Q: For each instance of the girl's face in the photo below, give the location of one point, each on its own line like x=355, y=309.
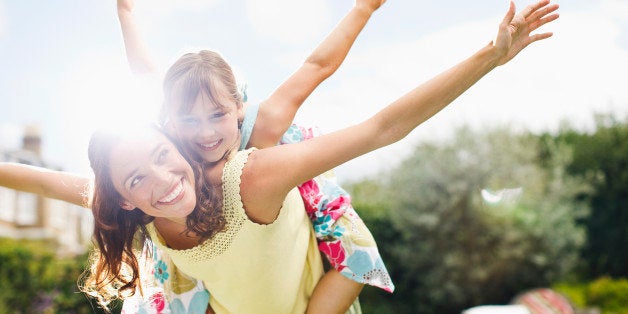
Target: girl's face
x=210, y=131
x=149, y=173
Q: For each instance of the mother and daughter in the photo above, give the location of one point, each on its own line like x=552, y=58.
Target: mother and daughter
x=235, y=219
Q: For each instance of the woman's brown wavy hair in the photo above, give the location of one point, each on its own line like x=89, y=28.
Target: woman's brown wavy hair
x=114, y=269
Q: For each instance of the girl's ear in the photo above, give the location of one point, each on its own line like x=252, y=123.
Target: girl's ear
x=126, y=205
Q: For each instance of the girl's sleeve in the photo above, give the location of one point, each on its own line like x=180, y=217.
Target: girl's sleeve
x=342, y=236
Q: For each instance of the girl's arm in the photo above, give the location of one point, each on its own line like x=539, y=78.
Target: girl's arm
x=137, y=54
x=59, y=185
x=394, y=122
x=277, y=112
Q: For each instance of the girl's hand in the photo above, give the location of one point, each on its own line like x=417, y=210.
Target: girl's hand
x=369, y=5
x=514, y=30
x=126, y=5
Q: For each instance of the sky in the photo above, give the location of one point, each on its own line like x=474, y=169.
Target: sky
x=63, y=69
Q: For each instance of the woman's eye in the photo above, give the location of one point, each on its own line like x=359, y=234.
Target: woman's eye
x=189, y=121
x=162, y=155
x=135, y=181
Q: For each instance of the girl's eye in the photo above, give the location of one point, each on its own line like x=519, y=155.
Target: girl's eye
x=218, y=115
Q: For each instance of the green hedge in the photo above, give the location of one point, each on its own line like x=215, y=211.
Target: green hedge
x=609, y=295
x=34, y=280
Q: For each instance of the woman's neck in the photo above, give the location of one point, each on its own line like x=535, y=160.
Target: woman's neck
x=172, y=231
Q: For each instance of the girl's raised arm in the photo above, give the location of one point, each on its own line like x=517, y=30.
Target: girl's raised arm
x=59, y=185
x=137, y=54
x=277, y=112
x=394, y=122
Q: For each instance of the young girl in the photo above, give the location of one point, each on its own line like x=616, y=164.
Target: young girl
x=239, y=263
x=205, y=135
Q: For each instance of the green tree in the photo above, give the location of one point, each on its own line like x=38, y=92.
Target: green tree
x=34, y=280
x=601, y=158
x=450, y=248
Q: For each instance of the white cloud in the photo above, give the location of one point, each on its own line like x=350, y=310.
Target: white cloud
x=3, y=22
x=160, y=8
x=617, y=9
x=289, y=21
x=581, y=70
x=10, y=136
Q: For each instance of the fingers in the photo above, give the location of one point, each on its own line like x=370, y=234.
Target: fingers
x=536, y=37
x=533, y=26
x=510, y=14
x=543, y=12
x=533, y=7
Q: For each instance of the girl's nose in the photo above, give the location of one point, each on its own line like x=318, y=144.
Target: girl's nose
x=206, y=130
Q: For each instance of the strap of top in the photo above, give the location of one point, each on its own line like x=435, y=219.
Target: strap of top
x=250, y=116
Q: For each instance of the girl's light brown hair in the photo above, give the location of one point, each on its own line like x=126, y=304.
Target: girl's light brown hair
x=195, y=73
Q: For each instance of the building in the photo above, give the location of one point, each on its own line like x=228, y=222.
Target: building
x=29, y=216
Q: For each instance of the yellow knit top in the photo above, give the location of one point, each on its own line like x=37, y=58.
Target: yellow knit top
x=249, y=267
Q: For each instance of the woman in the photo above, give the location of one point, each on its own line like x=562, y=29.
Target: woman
x=238, y=257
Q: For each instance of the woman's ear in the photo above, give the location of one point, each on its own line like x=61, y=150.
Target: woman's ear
x=126, y=205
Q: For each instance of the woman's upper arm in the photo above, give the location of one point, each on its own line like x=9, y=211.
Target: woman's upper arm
x=271, y=173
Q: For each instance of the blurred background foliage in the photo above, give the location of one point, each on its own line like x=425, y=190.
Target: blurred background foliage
x=491, y=213
x=35, y=280
x=473, y=220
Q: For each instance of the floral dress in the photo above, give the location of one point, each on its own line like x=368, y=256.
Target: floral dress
x=343, y=238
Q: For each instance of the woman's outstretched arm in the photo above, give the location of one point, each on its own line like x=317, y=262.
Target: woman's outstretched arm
x=59, y=185
x=394, y=122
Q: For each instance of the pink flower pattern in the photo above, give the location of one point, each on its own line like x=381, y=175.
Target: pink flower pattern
x=311, y=197
x=335, y=253
x=158, y=302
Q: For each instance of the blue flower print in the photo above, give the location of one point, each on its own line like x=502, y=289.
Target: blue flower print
x=321, y=225
x=197, y=305
x=292, y=135
x=338, y=232
x=161, y=271
x=360, y=263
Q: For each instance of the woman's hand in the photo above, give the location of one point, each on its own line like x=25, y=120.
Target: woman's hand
x=126, y=6
x=369, y=5
x=514, y=30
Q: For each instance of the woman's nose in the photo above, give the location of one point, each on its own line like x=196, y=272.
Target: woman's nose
x=161, y=174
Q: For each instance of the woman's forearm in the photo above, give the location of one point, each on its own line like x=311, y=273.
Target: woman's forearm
x=59, y=185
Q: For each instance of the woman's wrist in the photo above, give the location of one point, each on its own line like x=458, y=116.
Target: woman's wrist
x=491, y=55
x=364, y=9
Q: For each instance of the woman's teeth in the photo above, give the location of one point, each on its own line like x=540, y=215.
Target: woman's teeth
x=175, y=192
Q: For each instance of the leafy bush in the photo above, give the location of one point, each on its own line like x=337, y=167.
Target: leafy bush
x=607, y=294
x=449, y=248
x=34, y=280
x=610, y=295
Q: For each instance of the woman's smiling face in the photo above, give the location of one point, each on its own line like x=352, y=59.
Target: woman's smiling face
x=149, y=173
